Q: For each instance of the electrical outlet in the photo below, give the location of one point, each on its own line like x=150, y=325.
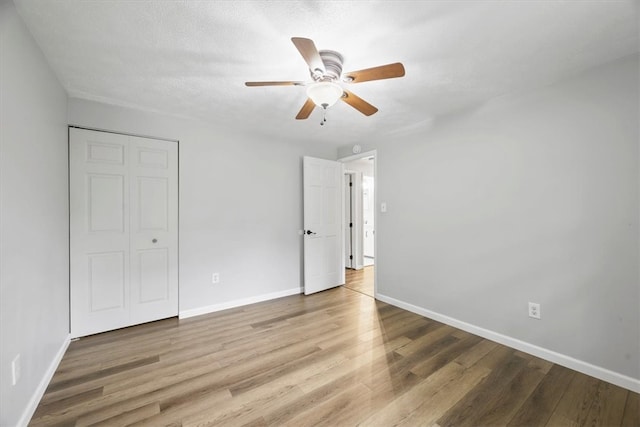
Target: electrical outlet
x=215, y=278
x=534, y=310
x=15, y=370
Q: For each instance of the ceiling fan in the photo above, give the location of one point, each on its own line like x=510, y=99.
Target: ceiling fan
x=325, y=67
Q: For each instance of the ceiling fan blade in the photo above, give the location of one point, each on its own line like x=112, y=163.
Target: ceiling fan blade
x=306, y=110
x=274, y=83
x=308, y=50
x=388, y=71
x=358, y=103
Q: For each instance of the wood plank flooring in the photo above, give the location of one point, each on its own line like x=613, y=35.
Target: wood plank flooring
x=360, y=280
x=337, y=358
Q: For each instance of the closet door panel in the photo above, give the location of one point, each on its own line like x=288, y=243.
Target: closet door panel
x=99, y=231
x=154, y=229
x=124, y=230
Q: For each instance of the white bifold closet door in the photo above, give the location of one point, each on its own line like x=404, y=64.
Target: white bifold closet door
x=123, y=230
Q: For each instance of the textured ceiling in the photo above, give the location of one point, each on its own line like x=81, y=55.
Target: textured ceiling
x=191, y=58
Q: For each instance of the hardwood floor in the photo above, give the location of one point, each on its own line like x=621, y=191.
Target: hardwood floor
x=360, y=280
x=337, y=358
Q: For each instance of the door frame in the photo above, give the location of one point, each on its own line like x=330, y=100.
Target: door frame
x=370, y=215
x=346, y=159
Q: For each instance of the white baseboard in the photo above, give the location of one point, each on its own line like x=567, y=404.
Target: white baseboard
x=237, y=303
x=44, y=383
x=620, y=380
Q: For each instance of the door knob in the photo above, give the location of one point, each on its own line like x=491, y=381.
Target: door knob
x=155, y=240
x=309, y=232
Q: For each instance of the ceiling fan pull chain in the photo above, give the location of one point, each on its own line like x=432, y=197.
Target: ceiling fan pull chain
x=324, y=116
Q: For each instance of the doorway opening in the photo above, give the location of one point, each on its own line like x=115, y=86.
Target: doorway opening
x=359, y=221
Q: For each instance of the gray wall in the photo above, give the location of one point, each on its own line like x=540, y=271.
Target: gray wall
x=240, y=203
x=34, y=310
x=529, y=197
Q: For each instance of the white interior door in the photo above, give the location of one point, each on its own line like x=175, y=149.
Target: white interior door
x=323, y=259
x=123, y=190
x=348, y=221
x=354, y=201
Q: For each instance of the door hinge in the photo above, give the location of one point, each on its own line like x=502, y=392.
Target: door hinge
x=350, y=256
x=351, y=184
x=350, y=225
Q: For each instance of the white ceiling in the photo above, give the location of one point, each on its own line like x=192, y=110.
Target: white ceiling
x=191, y=58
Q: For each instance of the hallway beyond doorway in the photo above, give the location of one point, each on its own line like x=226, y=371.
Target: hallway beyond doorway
x=360, y=280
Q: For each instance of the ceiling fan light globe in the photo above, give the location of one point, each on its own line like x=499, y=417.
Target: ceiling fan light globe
x=324, y=94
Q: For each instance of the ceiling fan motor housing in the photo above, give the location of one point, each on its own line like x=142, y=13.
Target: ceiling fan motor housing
x=333, y=65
